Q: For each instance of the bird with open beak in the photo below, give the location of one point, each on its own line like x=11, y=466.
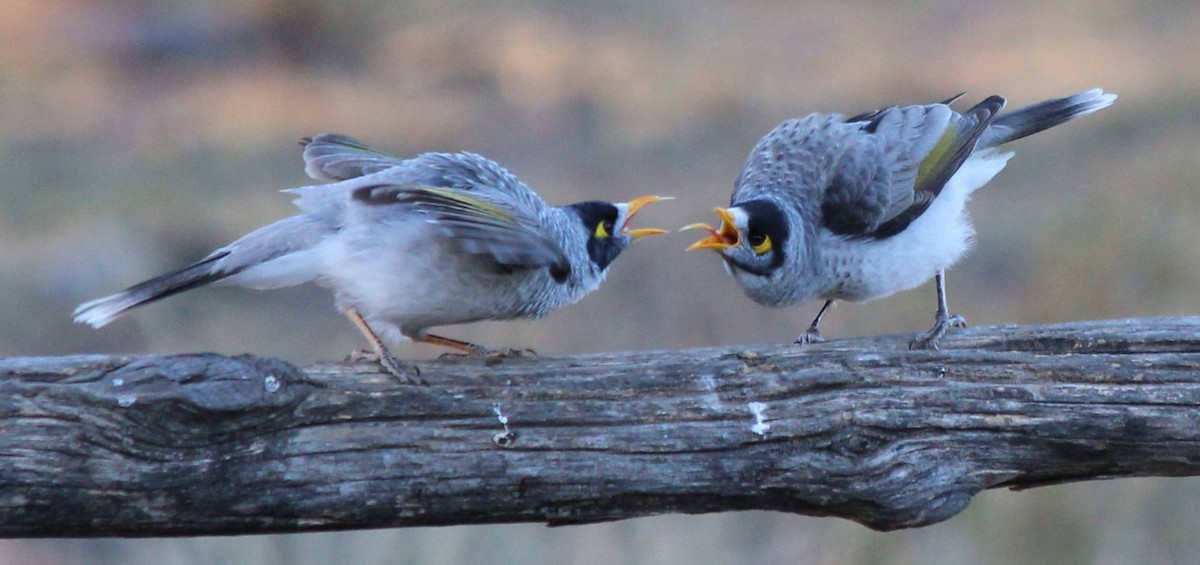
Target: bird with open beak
x=410, y=244
x=835, y=208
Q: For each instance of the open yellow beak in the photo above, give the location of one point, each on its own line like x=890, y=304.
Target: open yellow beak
x=635, y=205
x=718, y=239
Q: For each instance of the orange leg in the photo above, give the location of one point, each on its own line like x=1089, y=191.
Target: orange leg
x=473, y=350
x=384, y=357
x=466, y=347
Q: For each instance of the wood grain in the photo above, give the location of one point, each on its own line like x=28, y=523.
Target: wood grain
x=863, y=429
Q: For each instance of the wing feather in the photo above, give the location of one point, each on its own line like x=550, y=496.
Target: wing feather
x=331, y=156
x=477, y=224
x=899, y=164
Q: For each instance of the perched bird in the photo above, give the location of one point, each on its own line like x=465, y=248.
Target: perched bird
x=407, y=245
x=858, y=208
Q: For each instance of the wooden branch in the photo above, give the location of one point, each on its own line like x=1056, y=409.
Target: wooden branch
x=863, y=429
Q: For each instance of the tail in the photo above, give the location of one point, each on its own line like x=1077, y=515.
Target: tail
x=1043, y=115
x=102, y=311
x=285, y=253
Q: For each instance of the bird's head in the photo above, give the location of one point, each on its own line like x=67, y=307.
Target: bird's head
x=753, y=240
x=606, y=225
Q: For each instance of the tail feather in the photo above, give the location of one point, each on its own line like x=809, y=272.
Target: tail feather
x=1029, y=120
x=100, y=312
x=285, y=253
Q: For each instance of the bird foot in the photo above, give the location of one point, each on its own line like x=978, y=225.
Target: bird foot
x=813, y=335
x=940, y=326
x=408, y=374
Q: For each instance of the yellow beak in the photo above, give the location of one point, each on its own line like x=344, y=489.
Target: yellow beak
x=635, y=205
x=718, y=239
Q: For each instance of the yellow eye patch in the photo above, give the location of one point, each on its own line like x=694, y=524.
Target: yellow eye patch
x=602, y=230
x=762, y=247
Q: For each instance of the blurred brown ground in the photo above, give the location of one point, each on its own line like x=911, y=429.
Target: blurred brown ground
x=136, y=135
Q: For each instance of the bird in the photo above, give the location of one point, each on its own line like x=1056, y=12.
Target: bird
x=406, y=245
x=857, y=208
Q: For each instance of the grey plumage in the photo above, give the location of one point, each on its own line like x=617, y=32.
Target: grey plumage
x=282, y=244
x=439, y=239
x=1032, y=119
x=859, y=208
x=507, y=236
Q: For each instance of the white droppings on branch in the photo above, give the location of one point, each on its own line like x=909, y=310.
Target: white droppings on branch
x=500, y=417
x=506, y=437
x=760, y=426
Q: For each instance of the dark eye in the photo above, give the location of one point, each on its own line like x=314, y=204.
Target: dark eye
x=759, y=242
x=603, y=229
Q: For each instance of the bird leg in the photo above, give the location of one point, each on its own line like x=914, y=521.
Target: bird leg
x=943, y=322
x=468, y=349
x=380, y=353
x=813, y=334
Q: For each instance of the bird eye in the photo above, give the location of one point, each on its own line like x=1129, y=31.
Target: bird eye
x=760, y=243
x=603, y=229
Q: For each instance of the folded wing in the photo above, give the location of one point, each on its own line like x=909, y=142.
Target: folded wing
x=331, y=156
x=898, y=164
x=477, y=224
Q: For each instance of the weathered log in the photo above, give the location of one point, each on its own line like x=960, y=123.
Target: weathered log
x=864, y=429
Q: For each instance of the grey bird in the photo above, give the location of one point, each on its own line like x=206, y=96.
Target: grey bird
x=859, y=208
x=407, y=245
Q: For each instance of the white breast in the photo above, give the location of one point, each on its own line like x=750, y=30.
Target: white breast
x=408, y=276
x=860, y=270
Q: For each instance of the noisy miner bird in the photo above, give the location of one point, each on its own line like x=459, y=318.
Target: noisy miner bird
x=858, y=208
x=407, y=245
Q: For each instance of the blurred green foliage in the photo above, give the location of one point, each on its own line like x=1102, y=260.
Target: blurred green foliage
x=136, y=135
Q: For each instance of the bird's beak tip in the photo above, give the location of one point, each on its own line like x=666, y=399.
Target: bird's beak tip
x=699, y=226
x=641, y=201
x=725, y=237
x=644, y=232
x=634, y=206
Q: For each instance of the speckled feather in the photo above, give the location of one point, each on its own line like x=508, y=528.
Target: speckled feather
x=876, y=203
x=439, y=239
x=864, y=174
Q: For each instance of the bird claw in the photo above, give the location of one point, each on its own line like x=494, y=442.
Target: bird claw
x=813, y=335
x=408, y=374
x=940, y=326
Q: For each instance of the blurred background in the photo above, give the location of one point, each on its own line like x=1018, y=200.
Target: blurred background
x=137, y=135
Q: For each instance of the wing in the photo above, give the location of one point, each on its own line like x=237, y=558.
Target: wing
x=897, y=163
x=868, y=116
x=330, y=156
x=473, y=174
x=478, y=223
x=484, y=208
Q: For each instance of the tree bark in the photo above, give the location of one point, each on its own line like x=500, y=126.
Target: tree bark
x=863, y=429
